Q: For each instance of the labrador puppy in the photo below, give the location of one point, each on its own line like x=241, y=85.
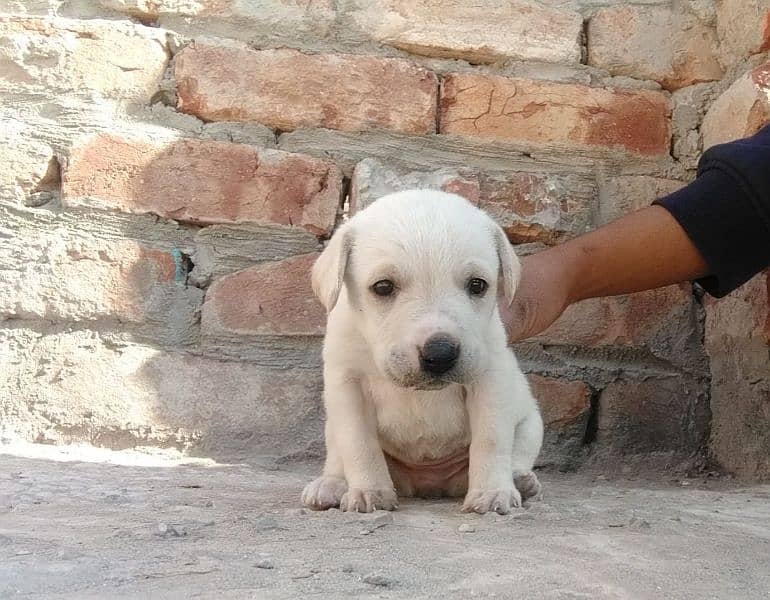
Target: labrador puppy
x=423, y=396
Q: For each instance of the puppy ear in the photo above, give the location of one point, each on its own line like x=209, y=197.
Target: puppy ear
x=328, y=271
x=510, y=267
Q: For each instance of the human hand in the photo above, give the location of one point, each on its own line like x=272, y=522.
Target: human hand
x=644, y=250
x=541, y=297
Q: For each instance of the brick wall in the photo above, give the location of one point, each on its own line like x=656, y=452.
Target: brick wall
x=169, y=170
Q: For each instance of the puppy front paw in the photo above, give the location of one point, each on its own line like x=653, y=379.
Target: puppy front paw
x=324, y=493
x=499, y=501
x=528, y=485
x=365, y=501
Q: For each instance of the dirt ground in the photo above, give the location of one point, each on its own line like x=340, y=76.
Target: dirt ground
x=82, y=523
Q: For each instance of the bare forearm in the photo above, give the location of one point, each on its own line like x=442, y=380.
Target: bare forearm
x=641, y=251
x=725, y=211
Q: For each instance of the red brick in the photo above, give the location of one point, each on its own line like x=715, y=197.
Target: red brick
x=620, y=320
x=562, y=402
x=743, y=27
x=740, y=111
x=203, y=182
x=270, y=299
x=538, y=207
x=531, y=207
x=565, y=406
x=443, y=29
x=286, y=89
x=567, y=115
x=653, y=42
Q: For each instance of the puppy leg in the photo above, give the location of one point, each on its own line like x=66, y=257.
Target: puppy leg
x=528, y=438
x=490, y=486
x=354, y=425
x=327, y=490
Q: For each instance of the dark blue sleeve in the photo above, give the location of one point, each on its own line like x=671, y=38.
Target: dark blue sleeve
x=726, y=211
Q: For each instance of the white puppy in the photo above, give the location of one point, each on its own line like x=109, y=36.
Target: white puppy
x=423, y=397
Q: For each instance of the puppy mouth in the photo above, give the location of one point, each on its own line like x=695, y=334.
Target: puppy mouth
x=431, y=384
x=421, y=382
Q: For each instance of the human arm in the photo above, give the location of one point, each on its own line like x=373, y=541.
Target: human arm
x=715, y=230
x=644, y=250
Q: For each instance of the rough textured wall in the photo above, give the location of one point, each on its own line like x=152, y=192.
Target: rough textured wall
x=169, y=169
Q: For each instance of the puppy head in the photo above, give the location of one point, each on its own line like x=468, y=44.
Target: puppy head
x=421, y=271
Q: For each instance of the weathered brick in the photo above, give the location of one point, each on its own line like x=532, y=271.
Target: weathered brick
x=473, y=31
x=627, y=193
x=259, y=22
x=203, y=181
x=59, y=276
x=653, y=42
x=268, y=299
x=113, y=59
x=542, y=113
x=565, y=407
x=740, y=111
x=529, y=206
x=743, y=27
x=220, y=8
x=338, y=91
x=738, y=344
x=77, y=387
x=639, y=415
x=26, y=164
x=152, y=8
x=690, y=105
x=662, y=321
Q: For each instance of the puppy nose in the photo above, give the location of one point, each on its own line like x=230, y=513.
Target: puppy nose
x=439, y=354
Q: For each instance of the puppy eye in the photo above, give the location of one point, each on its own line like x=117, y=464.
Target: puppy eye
x=477, y=287
x=384, y=287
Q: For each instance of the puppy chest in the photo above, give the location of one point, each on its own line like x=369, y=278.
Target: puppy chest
x=422, y=426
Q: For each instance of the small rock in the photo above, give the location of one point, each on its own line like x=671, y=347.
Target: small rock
x=208, y=504
x=347, y=569
x=466, y=528
x=296, y=512
x=378, y=580
x=166, y=530
x=265, y=563
x=637, y=523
